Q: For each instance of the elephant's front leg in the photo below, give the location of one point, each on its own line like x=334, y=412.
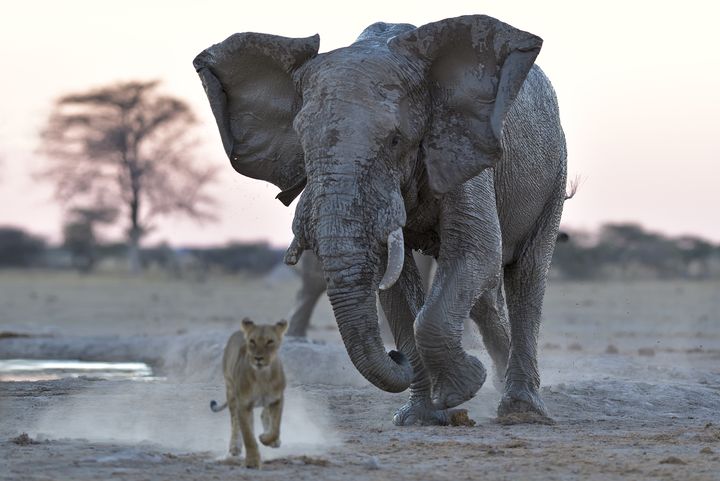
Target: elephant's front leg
x=468, y=266
x=401, y=304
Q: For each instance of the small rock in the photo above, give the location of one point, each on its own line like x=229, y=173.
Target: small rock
x=706, y=450
x=575, y=346
x=646, y=351
x=672, y=460
x=372, y=463
x=312, y=461
x=611, y=349
x=10, y=335
x=556, y=388
x=516, y=443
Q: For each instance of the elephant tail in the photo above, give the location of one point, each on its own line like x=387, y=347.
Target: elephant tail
x=215, y=408
x=574, y=184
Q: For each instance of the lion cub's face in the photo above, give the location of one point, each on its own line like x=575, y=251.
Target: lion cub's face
x=262, y=341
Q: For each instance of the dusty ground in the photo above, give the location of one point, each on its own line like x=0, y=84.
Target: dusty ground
x=631, y=375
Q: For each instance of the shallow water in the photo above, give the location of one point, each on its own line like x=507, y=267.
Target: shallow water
x=49, y=369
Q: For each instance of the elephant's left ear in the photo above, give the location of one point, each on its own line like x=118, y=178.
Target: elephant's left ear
x=476, y=66
x=248, y=79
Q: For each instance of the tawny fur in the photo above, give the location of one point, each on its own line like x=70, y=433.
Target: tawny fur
x=254, y=377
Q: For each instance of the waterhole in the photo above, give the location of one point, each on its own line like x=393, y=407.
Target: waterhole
x=50, y=369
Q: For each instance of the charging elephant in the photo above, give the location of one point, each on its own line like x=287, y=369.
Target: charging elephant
x=444, y=138
x=313, y=286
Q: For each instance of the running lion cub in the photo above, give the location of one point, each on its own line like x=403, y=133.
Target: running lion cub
x=254, y=377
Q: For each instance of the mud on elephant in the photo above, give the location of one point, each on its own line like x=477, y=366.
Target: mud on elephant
x=444, y=138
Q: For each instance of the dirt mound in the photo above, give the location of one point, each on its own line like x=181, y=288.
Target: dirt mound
x=525, y=418
x=460, y=418
x=24, y=440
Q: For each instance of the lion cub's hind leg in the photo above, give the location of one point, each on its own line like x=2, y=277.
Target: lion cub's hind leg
x=271, y=416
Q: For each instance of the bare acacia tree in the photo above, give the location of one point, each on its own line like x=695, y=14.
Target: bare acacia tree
x=130, y=145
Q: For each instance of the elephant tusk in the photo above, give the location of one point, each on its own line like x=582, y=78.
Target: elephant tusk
x=395, y=258
x=293, y=253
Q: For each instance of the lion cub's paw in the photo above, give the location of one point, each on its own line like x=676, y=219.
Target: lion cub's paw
x=252, y=461
x=270, y=440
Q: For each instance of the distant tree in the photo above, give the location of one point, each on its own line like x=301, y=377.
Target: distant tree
x=131, y=145
x=254, y=258
x=79, y=236
x=19, y=249
x=630, y=251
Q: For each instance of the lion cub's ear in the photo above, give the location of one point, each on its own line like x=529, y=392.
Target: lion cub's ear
x=281, y=326
x=247, y=325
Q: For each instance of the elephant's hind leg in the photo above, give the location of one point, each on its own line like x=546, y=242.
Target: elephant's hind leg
x=525, y=281
x=490, y=315
x=313, y=286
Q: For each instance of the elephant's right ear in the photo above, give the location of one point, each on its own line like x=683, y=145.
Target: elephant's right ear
x=248, y=81
x=475, y=67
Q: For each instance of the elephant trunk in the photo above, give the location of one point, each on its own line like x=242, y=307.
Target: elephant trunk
x=351, y=262
x=356, y=314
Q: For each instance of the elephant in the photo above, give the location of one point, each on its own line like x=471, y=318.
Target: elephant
x=444, y=138
x=313, y=286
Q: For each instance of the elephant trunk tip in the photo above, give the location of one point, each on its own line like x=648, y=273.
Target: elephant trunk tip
x=407, y=372
x=399, y=358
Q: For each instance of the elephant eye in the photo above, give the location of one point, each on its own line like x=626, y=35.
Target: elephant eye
x=395, y=140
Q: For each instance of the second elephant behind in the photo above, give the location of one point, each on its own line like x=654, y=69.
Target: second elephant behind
x=313, y=286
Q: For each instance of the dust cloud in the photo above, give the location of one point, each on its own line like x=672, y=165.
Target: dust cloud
x=178, y=419
x=174, y=413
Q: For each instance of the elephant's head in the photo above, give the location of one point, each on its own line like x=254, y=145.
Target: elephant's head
x=353, y=130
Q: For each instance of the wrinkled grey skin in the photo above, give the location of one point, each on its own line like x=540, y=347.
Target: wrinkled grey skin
x=313, y=286
x=447, y=132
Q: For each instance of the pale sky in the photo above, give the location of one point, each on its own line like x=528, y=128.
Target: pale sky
x=637, y=81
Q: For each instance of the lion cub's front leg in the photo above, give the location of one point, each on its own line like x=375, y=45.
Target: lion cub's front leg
x=271, y=416
x=235, y=446
x=252, y=454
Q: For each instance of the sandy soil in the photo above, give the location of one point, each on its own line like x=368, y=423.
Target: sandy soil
x=631, y=376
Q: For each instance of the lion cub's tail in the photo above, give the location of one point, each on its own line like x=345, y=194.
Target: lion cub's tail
x=215, y=408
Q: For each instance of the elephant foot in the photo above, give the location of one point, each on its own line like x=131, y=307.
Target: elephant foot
x=522, y=404
x=423, y=413
x=452, y=387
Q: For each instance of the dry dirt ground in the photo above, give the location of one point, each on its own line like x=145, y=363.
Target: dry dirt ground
x=631, y=376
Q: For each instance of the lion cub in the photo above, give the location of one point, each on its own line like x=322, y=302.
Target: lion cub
x=254, y=377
